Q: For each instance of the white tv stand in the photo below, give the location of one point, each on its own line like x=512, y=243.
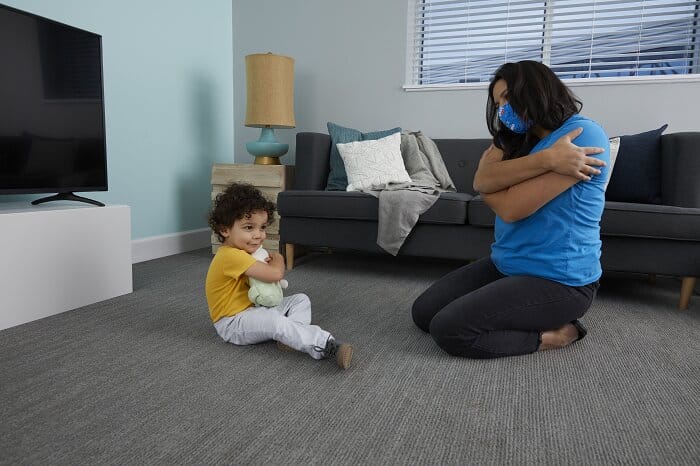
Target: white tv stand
x=60, y=256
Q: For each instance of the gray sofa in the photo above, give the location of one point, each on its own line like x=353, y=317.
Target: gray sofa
x=652, y=239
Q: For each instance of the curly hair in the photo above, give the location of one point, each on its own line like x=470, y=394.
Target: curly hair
x=536, y=94
x=237, y=201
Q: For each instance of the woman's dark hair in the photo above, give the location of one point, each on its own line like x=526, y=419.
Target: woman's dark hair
x=237, y=201
x=537, y=95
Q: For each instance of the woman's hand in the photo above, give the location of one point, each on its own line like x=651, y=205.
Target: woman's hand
x=491, y=154
x=566, y=158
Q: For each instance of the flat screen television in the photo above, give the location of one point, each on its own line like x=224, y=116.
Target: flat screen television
x=52, y=133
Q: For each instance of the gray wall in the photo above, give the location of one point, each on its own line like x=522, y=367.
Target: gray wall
x=350, y=66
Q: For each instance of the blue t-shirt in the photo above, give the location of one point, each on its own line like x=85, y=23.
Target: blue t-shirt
x=561, y=241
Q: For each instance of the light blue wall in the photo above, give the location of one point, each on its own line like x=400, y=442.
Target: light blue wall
x=168, y=83
x=350, y=68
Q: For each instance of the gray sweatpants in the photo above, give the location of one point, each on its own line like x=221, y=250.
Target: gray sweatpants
x=288, y=323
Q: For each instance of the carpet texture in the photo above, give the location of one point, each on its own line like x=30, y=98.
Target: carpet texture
x=144, y=379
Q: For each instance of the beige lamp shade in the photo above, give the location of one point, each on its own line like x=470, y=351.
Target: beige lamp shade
x=270, y=91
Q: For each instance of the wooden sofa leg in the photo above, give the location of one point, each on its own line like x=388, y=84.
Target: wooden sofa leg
x=289, y=255
x=686, y=291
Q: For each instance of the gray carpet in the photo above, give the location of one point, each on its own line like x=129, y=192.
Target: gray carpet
x=144, y=379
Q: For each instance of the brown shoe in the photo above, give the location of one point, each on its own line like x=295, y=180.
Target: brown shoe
x=342, y=352
x=343, y=355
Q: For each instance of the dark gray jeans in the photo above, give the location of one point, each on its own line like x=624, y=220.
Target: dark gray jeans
x=477, y=312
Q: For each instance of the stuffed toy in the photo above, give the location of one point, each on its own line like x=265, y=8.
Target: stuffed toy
x=264, y=293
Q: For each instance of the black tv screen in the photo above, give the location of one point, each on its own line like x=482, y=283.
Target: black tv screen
x=52, y=135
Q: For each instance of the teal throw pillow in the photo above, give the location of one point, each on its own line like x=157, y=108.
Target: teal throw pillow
x=338, y=178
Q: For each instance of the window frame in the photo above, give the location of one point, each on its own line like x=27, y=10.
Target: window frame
x=571, y=82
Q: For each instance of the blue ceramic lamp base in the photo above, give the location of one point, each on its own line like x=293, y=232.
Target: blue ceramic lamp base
x=266, y=149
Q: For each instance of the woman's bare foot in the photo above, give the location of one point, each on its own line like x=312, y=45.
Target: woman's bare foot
x=559, y=338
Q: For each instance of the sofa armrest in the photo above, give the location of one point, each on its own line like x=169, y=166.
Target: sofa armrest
x=680, y=169
x=312, y=161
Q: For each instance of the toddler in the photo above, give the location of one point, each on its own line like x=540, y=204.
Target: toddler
x=239, y=218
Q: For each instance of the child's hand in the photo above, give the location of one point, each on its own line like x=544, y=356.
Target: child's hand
x=276, y=260
x=276, y=257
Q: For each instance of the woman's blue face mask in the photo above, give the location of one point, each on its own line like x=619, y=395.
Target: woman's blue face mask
x=511, y=119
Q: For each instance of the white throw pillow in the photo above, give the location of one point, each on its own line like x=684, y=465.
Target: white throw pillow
x=373, y=164
x=614, y=148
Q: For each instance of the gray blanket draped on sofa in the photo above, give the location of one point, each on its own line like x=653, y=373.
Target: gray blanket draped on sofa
x=400, y=204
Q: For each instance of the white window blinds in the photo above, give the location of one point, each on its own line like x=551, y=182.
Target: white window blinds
x=465, y=41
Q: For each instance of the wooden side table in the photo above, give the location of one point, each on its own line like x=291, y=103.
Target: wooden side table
x=270, y=179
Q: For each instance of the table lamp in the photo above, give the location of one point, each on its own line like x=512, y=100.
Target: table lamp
x=270, y=103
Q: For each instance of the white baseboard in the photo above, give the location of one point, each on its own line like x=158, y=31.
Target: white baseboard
x=154, y=247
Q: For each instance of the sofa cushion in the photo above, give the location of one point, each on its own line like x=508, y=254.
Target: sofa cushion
x=337, y=178
x=480, y=214
x=650, y=221
x=637, y=173
x=461, y=157
x=680, y=166
x=623, y=219
x=450, y=208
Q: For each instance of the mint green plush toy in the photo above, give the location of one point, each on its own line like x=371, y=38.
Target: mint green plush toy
x=264, y=293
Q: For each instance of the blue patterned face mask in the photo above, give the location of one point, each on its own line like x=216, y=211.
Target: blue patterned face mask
x=511, y=119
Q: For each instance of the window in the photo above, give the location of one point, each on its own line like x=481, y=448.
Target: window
x=465, y=41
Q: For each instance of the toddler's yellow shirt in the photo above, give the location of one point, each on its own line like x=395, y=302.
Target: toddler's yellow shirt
x=227, y=285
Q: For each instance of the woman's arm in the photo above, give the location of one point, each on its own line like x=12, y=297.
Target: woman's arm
x=272, y=271
x=494, y=174
x=564, y=157
x=524, y=199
